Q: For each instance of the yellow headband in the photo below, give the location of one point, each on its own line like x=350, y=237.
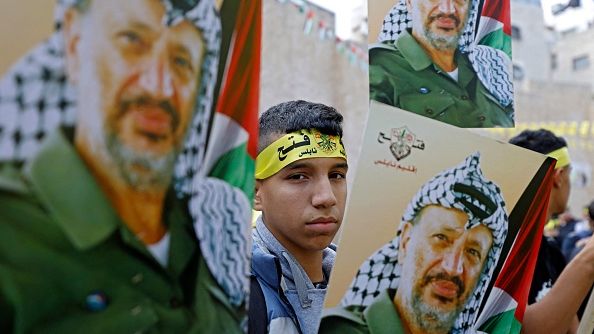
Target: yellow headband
x=562, y=156
x=295, y=146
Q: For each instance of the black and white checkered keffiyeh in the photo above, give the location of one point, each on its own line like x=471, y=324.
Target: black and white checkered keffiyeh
x=36, y=98
x=464, y=188
x=492, y=66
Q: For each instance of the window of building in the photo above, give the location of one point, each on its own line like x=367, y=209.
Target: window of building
x=553, y=61
x=518, y=73
x=569, y=31
x=581, y=63
x=516, y=33
x=558, y=8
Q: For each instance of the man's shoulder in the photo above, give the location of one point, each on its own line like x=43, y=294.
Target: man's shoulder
x=404, y=50
x=381, y=52
x=17, y=201
x=12, y=180
x=339, y=319
x=387, y=60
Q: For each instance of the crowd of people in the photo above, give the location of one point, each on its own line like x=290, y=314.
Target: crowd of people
x=570, y=232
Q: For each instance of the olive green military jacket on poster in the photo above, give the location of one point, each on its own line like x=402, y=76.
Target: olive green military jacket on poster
x=69, y=265
x=402, y=75
x=380, y=317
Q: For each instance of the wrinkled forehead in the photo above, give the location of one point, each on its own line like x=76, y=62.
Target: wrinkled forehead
x=435, y=216
x=142, y=12
x=200, y=13
x=436, y=219
x=450, y=218
x=148, y=18
x=150, y=10
x=437, y=6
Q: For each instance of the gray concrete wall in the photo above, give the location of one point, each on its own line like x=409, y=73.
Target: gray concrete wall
x=299, y=66
x=530, y=50
x=569, y=47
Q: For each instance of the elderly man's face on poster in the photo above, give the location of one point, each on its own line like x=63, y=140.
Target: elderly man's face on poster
x=137, y=81
x=439, y=22
x=441, y=264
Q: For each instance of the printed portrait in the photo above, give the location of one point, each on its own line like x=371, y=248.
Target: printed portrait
x=449, y=60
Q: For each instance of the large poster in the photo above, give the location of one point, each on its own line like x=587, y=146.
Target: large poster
x=127, y=148
x=441, y=223
x=448, y=60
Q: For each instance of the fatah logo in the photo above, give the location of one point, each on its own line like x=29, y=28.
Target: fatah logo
x=325, y=142
x=402, y=141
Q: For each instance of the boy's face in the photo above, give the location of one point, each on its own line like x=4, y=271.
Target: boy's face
x=303, y=204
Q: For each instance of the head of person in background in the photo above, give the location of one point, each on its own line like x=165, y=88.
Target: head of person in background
x=546, y=142
x=301, y=191
x=438, y=267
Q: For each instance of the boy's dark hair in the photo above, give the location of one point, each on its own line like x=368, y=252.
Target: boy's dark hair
x=291, y=116
x=541, y=141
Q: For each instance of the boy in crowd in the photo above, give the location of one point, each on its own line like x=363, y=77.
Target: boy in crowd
x=301, y=191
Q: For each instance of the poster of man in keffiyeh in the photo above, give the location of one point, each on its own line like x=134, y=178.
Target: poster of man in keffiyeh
x=127, y=145
x=452, y=222
x=449, y=60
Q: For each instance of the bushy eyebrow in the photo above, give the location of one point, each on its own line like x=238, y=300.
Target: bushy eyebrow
x=142, y=26
x=342, y=165
x=297, y=165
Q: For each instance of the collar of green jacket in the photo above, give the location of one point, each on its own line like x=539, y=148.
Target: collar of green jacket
x=71, y=192
x=419, y=60
x=62, y=181
x=381, y=316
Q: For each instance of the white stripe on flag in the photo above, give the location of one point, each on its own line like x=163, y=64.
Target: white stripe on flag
x=487, y=25
x=499, y=301
x=226, y=134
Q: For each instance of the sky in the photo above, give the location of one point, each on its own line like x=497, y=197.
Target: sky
x=343, y=10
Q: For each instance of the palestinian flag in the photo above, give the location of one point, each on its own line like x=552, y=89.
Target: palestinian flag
x=495, y=25
x=504, y=310
x=232, y=144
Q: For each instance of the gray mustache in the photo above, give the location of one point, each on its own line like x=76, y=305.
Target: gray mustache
x=147, y=101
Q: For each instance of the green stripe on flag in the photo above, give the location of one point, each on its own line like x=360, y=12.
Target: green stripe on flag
x=502, y=323
x=237, y=168
x=499, y=40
